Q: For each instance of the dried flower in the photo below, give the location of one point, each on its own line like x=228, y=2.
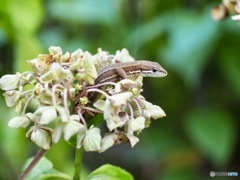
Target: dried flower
x=62, y=88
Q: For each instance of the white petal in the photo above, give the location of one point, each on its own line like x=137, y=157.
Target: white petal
x=19, y=121
x=92, y=140
x=236, y=17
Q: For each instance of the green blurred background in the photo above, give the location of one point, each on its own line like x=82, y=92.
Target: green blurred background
x=200, y=95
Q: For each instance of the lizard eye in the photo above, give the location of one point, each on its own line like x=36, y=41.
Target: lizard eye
x=154, y=70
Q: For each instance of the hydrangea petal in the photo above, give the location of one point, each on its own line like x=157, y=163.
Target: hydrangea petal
x=19, y=121
x=10, y=82
x=92, y=140
x=41, y=137
x=108, y=141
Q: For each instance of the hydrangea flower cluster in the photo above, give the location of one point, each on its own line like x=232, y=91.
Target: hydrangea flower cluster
x=226, y=8
x=59, y=86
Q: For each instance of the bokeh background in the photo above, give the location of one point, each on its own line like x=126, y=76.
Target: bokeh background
x=200, y=95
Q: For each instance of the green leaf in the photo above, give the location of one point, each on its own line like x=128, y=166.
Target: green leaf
x=86, y=11
x=44, y=170
x=26, y=17
x=189, y=45
x=213, y=131
x=229, y=60
x=150, y=30
x=95, y=121
x=110, y=172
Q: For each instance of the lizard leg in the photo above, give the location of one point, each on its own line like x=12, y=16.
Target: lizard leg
x=121, y=73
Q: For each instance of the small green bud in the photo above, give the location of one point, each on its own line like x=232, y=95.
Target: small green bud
x=78, y=87
x=135, y=91
x=83, y=100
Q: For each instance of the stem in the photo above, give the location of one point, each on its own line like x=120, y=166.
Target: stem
x=54, y=90
x=91, y=109
x=33, y=163
x=26, y=92
x=26, y=104
x=78, y=163
x=99, y=91
x=102, y=84
x=65, y=100
x=131, y=110
x=138, y=106
x=79, y=152
x=82, y=119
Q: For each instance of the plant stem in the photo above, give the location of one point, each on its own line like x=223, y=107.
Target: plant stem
x=35, y=160
x=78, y=163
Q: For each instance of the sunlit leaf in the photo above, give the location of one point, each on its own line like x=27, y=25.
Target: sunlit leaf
x=110, y=172
x=86, y=11
x=213, y=132
x=191, y=39
x=26, y=18
x=44, y=170
x=229, y=61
